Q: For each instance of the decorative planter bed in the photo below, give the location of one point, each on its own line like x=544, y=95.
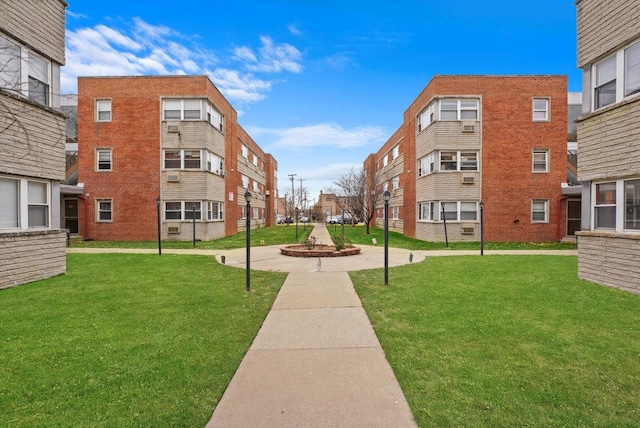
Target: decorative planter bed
x=318, y=251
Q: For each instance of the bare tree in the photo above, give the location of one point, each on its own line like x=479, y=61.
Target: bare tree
x=356, y=192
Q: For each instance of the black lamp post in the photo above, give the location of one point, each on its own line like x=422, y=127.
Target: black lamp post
x=159, y=226
x=444, y=220
x=386, y=195
x=247, y=197
x=481, y=228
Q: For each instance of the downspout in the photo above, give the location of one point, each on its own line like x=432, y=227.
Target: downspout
x=559, y=218
x=86, y=215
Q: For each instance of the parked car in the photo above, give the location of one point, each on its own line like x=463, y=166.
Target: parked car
x=304, y=219
x=280, y=219
x=332, y=219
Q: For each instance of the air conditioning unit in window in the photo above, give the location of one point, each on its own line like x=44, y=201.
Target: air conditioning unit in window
x=174, y=229
x=468, y=230
x=173, y=128
x=469, y=127
x=173, y=177
x=468, y=179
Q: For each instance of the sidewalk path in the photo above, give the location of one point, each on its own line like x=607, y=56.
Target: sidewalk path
x=316, y=361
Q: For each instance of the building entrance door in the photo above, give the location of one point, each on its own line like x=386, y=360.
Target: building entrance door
x=71, y=215
x=574, y=213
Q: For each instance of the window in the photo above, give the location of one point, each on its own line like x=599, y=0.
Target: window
x=25, y=203
x=245, y=152
x=104, y=213
x=103, y=110
x=189, y=109
x=450, y=210
x=9, y=208
x=255, y=159
x=9, y=65
x=25, y=72
x=38, y=79
x=605, y=85
x=426, y=164
x=395, y=213
x=427, y=211
x=215, y=163
x=396, y=152
x=256, y=212
x=245, y=181
x=540, y=109
x=540, y=161
x=426, y=117
x=468, y=161
x=192, y=210
x=103, y=160
x=172, y=159
x=385, y=160
x=539, y=210
x=173, y=210
x=468, y=211
x=605, y=207
x=215, y=211
x=448, y=161
x=632, y=204
x=385, y=186
x=464, y=109
x=256, y=188
x=192, y=159
x=632, y=70
x=215, y=118
x=395, y=182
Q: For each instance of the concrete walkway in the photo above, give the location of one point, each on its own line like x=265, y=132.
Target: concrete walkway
x=316, y=361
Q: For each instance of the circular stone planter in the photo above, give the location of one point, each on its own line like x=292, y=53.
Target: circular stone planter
x=302, y=250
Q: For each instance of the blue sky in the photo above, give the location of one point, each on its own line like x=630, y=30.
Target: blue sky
x=320, y=84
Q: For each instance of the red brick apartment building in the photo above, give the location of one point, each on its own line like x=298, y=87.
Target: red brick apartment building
x=172, y=142
x=501, y=140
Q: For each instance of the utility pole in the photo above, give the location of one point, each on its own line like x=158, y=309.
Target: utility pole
x=301, y=198
x=293, y=194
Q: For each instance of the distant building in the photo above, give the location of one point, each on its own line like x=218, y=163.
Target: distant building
x=32, y=140
x=173, y=143
x=608, y=134
x=499, y=140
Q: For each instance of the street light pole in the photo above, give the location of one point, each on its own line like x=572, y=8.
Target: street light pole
x=247, y=197
x=159, y=227
x=482, y=228
x=444, y=220
x=386, y=195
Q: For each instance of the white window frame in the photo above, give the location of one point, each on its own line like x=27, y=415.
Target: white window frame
x=215, y=118
x=536, y=163
x=427, y=211
x=99, y=161
x=215, y=211
x=188, y=159
x=215, y=163
x=395, y=213
x=541, y=113
x=183, y=103
x=395, y=182
x=176, y=207
x=426, y=117
x=26, y=199
x=385, y=186
x=184, y=161
x=427, y=164
x=535, y=210
x=104, y=107
x=187, y=207
x=100, y=210
x=395, y=153
x=635, y=89
x=255, y=159
x=619, y=204
x=245, y=181
x=621, y=77
x=462, y=107
x=245, y=152
x=385, y=160
x=631, y=204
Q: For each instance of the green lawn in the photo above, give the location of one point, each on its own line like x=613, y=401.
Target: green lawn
x=507, y=341
x=358, y=236
x=278, y=235
x=127, y=340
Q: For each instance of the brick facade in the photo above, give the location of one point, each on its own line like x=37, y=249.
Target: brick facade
x=504, y=136
x=138, y=136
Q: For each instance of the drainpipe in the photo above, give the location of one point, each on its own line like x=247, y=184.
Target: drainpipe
x=86, y=214
x=559, y=218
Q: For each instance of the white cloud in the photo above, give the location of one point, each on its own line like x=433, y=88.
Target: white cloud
x=322, y=135
x=271, y=57
x=146, y=49
x=294, y=30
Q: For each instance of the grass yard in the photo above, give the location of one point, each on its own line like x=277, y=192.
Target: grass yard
x=278, y=235
x=357, y=235
x=507, y=341
x=127, y=340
